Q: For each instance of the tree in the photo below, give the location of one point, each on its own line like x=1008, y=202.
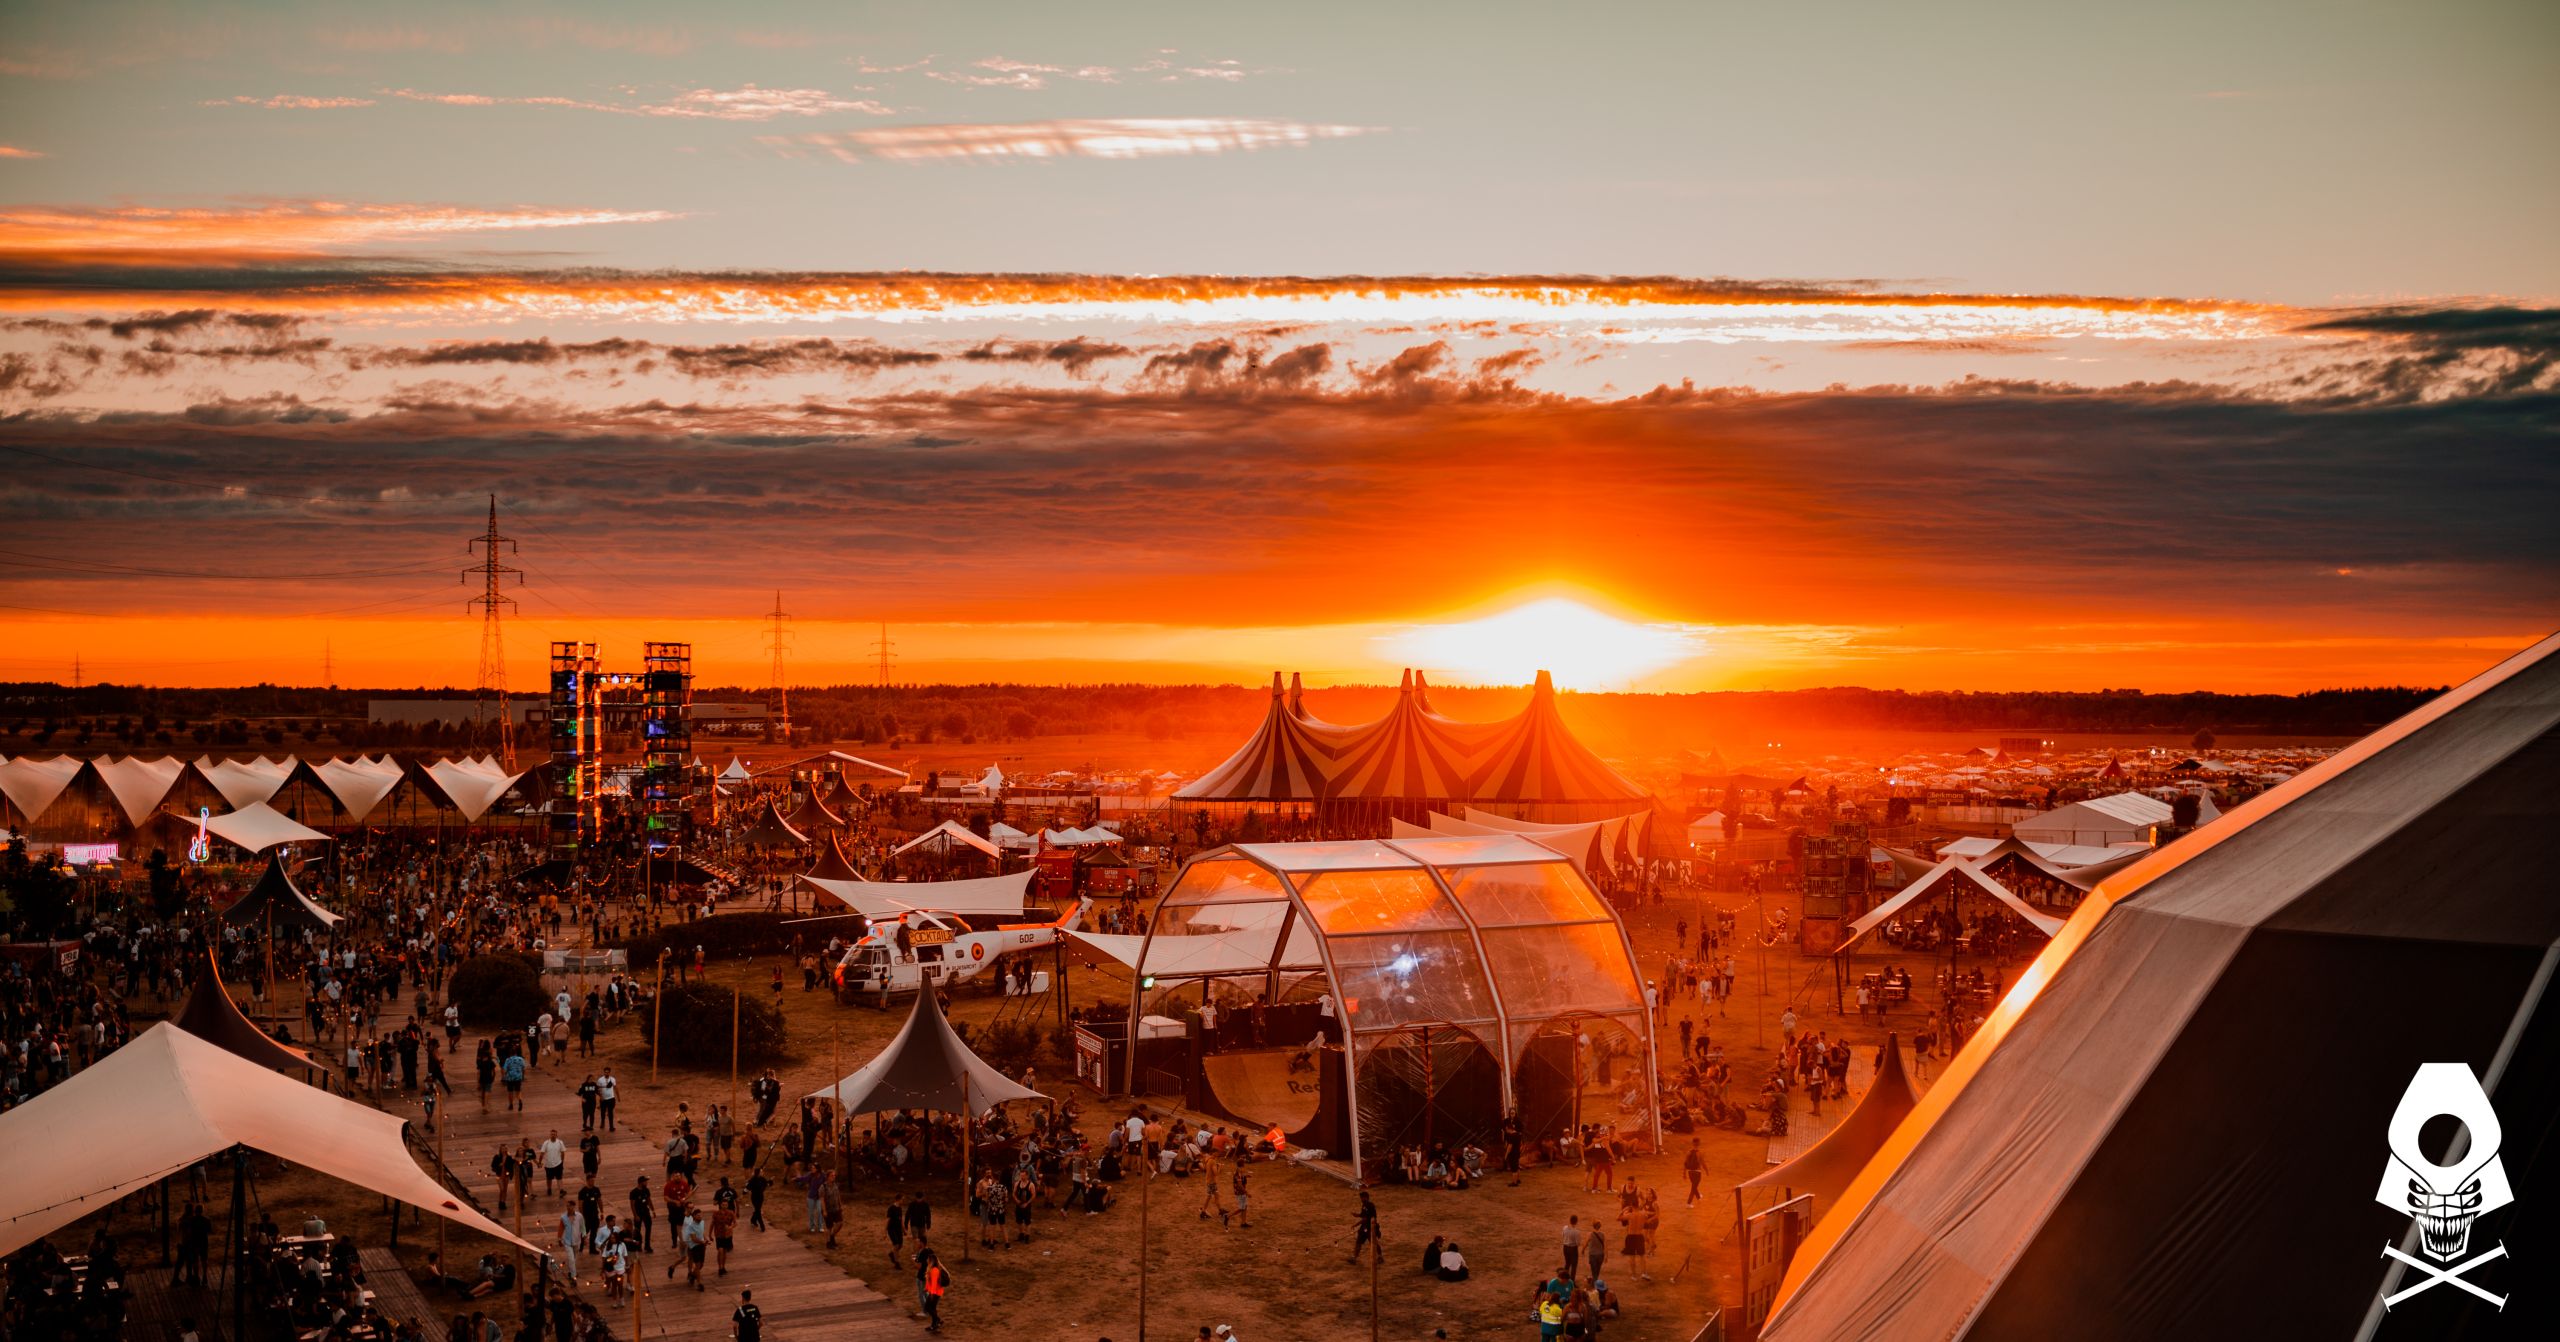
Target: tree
x=2204, y=739
x=2183, y=810
x=1019, y=723
x=39, y=893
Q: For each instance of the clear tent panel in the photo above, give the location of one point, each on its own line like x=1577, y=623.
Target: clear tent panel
x=1396, y=978
x=1525, y=892
x=1210, y=920
x=1426, y=1087
x=1351, y=902
x=1553, y=971
x=1585, y=1070
x=1221, y=880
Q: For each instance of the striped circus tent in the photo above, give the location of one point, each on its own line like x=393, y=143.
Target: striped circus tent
x=1287, y=759
x=1536, y=759
x=1411, y=752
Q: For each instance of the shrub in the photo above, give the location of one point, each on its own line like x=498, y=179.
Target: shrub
x=726, y=936
x=1008, y=1046
x=501, y=990
x=697, y=1026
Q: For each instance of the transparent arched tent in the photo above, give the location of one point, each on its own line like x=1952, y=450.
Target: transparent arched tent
x=1476, y=978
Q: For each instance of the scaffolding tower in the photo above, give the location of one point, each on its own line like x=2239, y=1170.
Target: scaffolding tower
x=666, y=740
x=577, y=745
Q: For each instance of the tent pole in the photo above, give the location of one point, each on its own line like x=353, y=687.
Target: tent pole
x=734, y=1000
x=239, y=1241
x=968, y=1151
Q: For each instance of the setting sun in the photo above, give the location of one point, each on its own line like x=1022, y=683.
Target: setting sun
x=1584, y=648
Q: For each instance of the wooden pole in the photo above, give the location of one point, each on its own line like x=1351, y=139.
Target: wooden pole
x=1144, y=1186
x=657, y=1017
x=734, y=1000
x=441, y=1169
x=1377, y=1255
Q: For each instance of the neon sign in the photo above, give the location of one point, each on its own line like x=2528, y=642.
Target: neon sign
x=200, y=848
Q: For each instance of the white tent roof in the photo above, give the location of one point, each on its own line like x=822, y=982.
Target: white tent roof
x=888, y=899
x=1077, y=838
x=925, y=1067
x=358, y=784
x=837, y=759
x=169, y=1099
x=244, y=782
x=2043, y=922
x=138, y=784
x=735, y=771
x=1233, y=953
x=32, y=784
x=942, y=837
x=472, y=785
x=992, y=779
x=259, y=827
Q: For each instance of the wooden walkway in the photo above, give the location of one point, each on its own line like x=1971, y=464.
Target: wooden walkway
x=801, y=1293
x=1804, y=1129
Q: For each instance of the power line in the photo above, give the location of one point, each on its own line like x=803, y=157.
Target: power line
x=493, y=651
x=778, y=641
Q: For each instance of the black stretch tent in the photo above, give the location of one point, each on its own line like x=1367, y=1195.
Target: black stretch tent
x=276, y=896
x=2176, y=1124
x=212, y=1016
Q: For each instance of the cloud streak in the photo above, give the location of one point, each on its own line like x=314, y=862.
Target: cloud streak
x=55, y=236
x=745, y=103
x=1105, y=138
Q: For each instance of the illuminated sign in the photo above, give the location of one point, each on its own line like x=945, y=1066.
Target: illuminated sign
x=201, y=847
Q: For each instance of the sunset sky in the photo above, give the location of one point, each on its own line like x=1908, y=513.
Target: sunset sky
x=1681, y=345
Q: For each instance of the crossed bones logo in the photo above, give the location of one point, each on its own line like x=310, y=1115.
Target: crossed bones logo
x=2444, y=1199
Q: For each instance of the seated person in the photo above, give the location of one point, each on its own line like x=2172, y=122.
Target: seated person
x=1431, y=1254
x=1604, y=1301
x=1471, y=1159
x=1436, y=1175
x=1098, y=1197
x=1453, y=1264
x=313, y=1227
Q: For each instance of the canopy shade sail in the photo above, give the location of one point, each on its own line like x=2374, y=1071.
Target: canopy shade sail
x=138, y=785
x=275, y=897
x=212, y=1016
x=833, y=865
x=1235, y=953
x=169, y=1099
x=812, y=815
x=837, y=762
x=31, y=785
x=259, y=827
x=925, y=1067
x=946, y=837
x=1952, y=869
x=470, y=786
x=2087, y=1166
x=245, y=782
x=988, y=895
x=358, y=785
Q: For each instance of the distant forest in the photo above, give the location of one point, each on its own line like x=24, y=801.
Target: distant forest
x=48, y=714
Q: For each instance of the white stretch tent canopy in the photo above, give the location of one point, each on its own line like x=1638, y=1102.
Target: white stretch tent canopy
x=1006, y=836
x=992, y=780
x=169, y=1099
x=245, y=782
x=1239, y=953
x=1975, y=848
x=358, y=784
x=925, y=1067
x=31, y=785
x=988, y=895
x=473, y=785
x=735, y=772
x=259, y=827
x=138, y=784
x=1590, y=838
x=943, y=838
x=1078, y=838
x=1954, y=868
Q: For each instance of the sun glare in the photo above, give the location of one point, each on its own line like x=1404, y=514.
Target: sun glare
x=1584, y=648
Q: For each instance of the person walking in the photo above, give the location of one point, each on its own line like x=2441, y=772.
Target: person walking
x=897, y=1230
x=605, y=1090
x=1694, y=1165
x=1364, y=1226
x=933, y=1282
x=573, y=1233
x=748, y=1320
x=644, y=1215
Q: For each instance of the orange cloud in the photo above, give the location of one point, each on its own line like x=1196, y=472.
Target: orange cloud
x=1114, y=138
x=141, y=234
x=288, y=102
x=746, y=103
x=12, y=151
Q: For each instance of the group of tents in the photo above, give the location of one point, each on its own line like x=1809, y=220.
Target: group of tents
x=105, y=794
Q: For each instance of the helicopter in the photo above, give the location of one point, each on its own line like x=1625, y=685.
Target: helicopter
x=927, y=946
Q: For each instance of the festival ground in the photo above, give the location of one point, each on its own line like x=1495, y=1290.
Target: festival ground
x=1284, y=1277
